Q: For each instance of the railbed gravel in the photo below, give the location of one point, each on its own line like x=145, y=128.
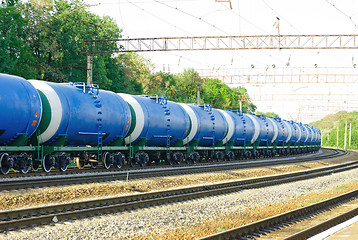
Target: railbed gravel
x=139, y=223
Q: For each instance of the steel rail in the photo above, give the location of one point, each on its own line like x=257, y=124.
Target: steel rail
x=19, y=218
x=321, y=227
x=16, y=183
x=267, y=225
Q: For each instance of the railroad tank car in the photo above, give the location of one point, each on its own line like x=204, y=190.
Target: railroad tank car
x=310, y=133
x=76, y=115
x=286, y=132
x=295, y=132
x=319, y=137
x=20, y=114
x=156, y=122
x=209, y=127
x=244, y=133
x=265, y=127
x=212, y=126
x=304, y=133
x=282, y=132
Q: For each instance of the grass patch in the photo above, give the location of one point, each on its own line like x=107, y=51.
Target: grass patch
x=340, y=188
x=221, y=229
x=311, y=202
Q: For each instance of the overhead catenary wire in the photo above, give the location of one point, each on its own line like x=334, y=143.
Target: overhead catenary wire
x=281, y=16
x=346, y=15
x=163, y=20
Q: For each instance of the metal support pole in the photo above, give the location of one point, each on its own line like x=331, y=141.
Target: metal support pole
x=198, y=95
x=350, y=135
x=89, y=68
x=345, y=137
x=240, y=106
x=337, y=133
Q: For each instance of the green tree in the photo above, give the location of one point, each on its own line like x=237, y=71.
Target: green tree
x=15, y=55
x=42, y=39
x=183, y=88
x=163, y=84
x=216, y=93
x=268, y=114
x=136, y=69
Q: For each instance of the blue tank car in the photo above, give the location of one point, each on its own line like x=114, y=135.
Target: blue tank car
x=244, y=128
x=212, y=126
x=21, y=110
x=20, y=116
x=304, y=134
x=266, y=129
x=282, y=134
x=156, y=122
x=79, y=115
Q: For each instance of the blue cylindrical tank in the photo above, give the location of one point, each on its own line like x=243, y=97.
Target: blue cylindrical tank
x=282, y=132
x=20, y=109
x=318, y=135
x=266, y=127
x=211, y=125
x=287, y=130
x=244, y=128
x=310, y=133
x=304, y=134
x=81, y=114
x=156, y=121
x=296, y=132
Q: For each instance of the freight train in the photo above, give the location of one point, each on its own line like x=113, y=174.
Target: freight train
x=52, y=125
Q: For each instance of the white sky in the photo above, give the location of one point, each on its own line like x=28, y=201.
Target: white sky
x=167, y=18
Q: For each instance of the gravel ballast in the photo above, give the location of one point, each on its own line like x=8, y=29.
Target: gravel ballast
x=151, y=222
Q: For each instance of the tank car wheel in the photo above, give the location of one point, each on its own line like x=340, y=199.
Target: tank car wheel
x=119, y=159
x=107, y=160
x=25, y=169
x=178, y=157
x=35, y=165
x=219, y=156
x=47, y=163
x=194, y=157
x=80, y=162
x=94, y=164
x=64, y=168
x=141, y=158
x=25, y=162
x=132, y=162
x=4, y=164
x=229, y=156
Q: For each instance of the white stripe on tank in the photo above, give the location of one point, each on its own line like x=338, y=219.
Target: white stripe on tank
x=275, y=129
x=56, y=109
x=139, y=117
x=256, y=126
x=299, y=131
x=230, y=125
x=194, y=123
x=289, y=129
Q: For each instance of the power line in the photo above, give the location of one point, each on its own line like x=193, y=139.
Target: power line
x=280, y=16
x=163, y=20
x=339, y=10
x=193, y=16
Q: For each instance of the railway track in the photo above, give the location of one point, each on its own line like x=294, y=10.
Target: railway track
x=20, y=218
x=26, y=182
x=267, y=227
